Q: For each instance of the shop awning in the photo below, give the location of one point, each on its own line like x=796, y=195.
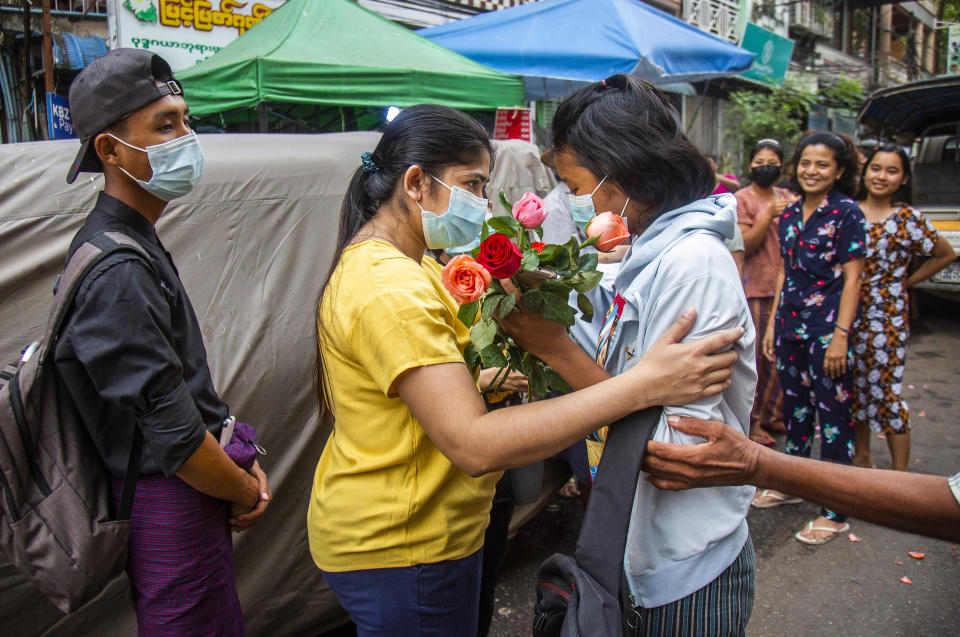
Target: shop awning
x=588, y=40
x=336, y=53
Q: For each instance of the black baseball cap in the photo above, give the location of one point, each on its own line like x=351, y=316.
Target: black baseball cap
x=110, y=88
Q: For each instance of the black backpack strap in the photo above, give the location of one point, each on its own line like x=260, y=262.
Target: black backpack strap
x=125, y=510
x=603, y=536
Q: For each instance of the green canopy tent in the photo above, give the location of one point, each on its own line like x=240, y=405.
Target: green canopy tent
x=308, y=60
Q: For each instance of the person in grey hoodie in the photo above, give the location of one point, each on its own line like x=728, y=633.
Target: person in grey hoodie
x=688, y=564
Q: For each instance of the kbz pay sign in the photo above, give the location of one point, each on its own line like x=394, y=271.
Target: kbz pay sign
x=59, y=122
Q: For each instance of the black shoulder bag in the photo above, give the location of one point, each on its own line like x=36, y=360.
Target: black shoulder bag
x=581, y=595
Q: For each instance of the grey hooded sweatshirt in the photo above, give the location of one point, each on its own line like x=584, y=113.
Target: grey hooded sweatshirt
x=680, y=541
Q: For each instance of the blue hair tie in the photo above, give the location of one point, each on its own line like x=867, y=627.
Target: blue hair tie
x=369, y=166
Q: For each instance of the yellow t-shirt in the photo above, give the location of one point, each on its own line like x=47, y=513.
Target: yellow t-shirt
x=383, y=494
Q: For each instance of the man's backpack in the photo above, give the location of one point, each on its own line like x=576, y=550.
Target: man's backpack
x=581, y=595
x=57, y=526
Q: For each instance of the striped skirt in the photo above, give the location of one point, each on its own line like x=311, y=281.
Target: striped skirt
x=719, y=609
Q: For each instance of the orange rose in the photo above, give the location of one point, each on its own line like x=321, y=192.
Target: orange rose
x=465, y=279
x=611, y=228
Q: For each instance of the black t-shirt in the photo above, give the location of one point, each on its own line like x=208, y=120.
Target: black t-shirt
x=131, y=352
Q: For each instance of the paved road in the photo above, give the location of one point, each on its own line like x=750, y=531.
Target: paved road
x=841, y=588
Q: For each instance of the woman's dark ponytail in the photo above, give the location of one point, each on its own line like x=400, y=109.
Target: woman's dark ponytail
x=430, y=136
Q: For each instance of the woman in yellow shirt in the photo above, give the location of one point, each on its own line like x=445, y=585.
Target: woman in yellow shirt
x=402, y=491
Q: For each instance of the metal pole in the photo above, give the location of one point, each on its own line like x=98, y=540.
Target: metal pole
x=262, y=110
x=25, y=87
x=47, y=48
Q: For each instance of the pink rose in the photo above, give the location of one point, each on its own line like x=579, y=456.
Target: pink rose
x=465, y=279
x=529, y=210
x=611, y=228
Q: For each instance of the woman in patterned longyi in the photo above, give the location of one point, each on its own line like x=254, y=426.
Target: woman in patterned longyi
x=896, y=232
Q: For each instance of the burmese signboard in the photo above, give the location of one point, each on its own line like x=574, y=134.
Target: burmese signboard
x=773, y=54
x=183, y=32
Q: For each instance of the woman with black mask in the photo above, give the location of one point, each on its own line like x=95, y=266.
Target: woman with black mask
x=758, y=207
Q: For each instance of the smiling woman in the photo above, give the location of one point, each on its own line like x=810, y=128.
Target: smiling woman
x=822, y=245
x=896, y=233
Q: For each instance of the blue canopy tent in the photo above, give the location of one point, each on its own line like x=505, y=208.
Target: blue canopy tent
x=558, y=45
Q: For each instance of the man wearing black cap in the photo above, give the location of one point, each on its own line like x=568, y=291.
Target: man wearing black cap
x=133, y=359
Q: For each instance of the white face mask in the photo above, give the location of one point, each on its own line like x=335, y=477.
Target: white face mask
x=177, y=166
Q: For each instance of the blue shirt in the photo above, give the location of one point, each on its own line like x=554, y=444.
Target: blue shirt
x=814, y=254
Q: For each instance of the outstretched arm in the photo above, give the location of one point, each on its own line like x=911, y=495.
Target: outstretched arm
x=912, y=502
x=444, y=400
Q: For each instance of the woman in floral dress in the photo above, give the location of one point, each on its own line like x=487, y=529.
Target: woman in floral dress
x=896, y=232
x=822, y=245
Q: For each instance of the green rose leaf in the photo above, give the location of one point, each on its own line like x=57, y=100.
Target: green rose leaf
x=537, y=378
x=489, y=307
x=533, y=300
x=505, y=225
x=588, y=261
x=507, y=304
x=471, y=357
x=468, y=313
x=492, y=356
x=550, y=252
x=483, y=333
x=531, y=261
x=586, y=281
x=516, y=359
x=556, y=381
x=586, y=307
x=505, y=203
x=539, y=231
x=556, y=309
x=555, y=286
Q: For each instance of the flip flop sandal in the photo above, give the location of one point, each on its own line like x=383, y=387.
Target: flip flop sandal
x=810, y=527
x=776, y=497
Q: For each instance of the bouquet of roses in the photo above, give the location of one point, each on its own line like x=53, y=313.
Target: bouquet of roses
x=545, y=276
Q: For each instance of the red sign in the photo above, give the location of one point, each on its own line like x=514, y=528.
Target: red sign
x=512, y=123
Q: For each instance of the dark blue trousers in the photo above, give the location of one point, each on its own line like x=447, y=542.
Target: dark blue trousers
x=436, y=600
x=807, y=393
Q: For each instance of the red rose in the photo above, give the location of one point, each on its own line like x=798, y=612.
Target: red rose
x=499, y=256
x=538, y=246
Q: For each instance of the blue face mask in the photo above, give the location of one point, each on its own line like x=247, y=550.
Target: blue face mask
x=460, y=227
x=177, y=166
x=581, y=207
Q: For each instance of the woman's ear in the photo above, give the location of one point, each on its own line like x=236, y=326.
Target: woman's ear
x=414, y=182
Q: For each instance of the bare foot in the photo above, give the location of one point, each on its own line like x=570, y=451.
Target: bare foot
x=760, y=436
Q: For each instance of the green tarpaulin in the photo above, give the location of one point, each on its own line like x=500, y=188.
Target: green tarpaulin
x=336, y=53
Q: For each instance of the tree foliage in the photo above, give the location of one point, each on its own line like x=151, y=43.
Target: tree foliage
x=781, y=113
